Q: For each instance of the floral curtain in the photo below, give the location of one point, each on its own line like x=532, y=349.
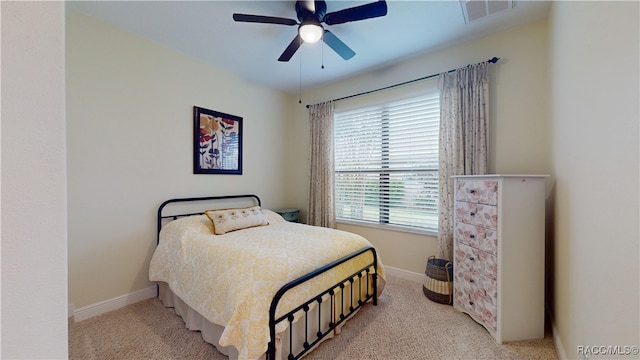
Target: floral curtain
x=321, y=211
x=464, y=139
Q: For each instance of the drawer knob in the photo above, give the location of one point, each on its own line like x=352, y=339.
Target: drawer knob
x=470, y=302
x=472, y=214
x=471, y=281
x=472, y=236
x=471, y=258
x=472, y=191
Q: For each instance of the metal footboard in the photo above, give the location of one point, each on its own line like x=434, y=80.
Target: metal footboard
x=365, y=272
x=366, y=276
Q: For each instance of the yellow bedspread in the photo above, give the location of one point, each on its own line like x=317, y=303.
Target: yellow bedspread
x=230, y=279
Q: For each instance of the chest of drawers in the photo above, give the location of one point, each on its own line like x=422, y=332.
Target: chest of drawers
x=499, y=253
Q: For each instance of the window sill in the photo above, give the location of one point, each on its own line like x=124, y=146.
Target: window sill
x=390, y=227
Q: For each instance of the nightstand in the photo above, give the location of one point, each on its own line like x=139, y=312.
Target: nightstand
x=292, y=215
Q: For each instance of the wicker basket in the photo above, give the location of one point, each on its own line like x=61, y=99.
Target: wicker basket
x=438, y=286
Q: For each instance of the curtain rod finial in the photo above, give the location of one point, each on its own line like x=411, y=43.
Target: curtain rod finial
x=493, y=60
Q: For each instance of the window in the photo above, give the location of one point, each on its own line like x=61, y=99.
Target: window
x=386, y=163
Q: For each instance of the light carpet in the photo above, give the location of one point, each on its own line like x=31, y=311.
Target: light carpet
x=404, y=325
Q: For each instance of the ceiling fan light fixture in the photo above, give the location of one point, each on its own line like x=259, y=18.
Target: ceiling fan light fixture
x=310, y=32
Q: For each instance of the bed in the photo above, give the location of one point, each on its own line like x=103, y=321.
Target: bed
x=255, y=285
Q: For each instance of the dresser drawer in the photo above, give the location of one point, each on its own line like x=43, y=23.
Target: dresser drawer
x=478, y=296
x=477, y=237
x=477, y=191
x=477, y=214
x=475, y=261
x=477, y=286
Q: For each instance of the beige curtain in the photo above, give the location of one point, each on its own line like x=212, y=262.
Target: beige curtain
x=321, y=210
x=464, y=139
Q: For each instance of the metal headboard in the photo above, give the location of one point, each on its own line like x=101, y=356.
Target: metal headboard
x=161, y=216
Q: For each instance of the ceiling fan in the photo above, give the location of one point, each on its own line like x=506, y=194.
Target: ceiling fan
x=311, y=15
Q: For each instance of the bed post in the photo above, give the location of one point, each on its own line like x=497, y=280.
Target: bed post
x=374, y=276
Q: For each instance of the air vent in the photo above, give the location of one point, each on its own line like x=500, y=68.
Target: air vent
x=476, y=9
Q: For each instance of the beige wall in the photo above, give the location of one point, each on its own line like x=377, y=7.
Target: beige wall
x=519, y=140
x=594, y=57
x=34, y=198
x=130, y=139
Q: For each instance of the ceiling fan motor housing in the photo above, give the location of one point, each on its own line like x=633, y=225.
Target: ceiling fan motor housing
x=307, y=16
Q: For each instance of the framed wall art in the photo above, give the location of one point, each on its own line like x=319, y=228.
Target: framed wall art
x=217, y=142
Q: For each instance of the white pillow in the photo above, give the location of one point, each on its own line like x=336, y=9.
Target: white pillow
x=226, y=220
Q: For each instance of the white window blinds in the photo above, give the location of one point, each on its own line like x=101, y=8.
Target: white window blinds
x=386, y=161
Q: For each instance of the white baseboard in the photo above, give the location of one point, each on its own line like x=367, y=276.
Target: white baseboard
x=556, y=339
x=113, y=304
x=404, y=274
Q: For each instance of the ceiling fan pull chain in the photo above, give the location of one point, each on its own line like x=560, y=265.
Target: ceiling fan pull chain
x=300, y=76
x=322, y=51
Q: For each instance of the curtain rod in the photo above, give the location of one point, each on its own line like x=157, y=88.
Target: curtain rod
x=493, y=60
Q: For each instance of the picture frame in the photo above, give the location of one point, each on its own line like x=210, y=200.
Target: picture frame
x=217, y=142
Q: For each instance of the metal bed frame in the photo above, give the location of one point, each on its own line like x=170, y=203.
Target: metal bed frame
x=353, y=305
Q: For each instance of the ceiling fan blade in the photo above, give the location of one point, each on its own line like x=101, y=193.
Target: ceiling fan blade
x=337, y=45
x=263, y=19
x=291, y=49
x=362, y=12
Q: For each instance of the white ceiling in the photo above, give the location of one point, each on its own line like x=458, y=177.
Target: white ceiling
x=206, y=30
